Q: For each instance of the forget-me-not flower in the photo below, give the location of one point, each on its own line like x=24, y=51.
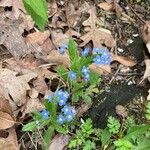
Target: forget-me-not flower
x=60, y=119
x=86, y=51
x=45, y=114
x=72, y=75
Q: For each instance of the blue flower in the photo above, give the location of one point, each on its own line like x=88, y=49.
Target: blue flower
x=96, y=50
x=60, y=119
x=66, y=110
x=104, y=57
x=87, y=77
x=45, y=114
x=72, y=75
x=50, y=98
x=62, y=97
x=69, y=117
x=62, y=102
x=86, y=51
x=85, y=70
x=62, y=49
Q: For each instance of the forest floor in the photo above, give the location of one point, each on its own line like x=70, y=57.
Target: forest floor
x=28, y=58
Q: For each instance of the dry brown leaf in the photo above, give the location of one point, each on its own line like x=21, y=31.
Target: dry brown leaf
x=147, y=71
x=106, y=6
x=59, y=142
x=17, y=5
x=100, y=69
x=27, y=23
x=59, y=38
x=33, y=104
x=82, y=109
x=6, y=121
x=56, y=58
x=37, y=37
x=15, y=86
x=9, y=143
x=27, y=66
x=124, y=60
x=52, y=8
x=4, y=3
x=73, y=16
x=145, y=33
x=98, y=36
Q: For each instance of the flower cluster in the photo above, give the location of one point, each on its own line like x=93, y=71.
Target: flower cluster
x=86, y=72
x=62, y=97
x=102, y=57
x=67, y=114
x=62, y=49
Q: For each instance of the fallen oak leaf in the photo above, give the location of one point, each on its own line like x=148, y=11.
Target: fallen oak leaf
x=98, y=36
x=6, y=121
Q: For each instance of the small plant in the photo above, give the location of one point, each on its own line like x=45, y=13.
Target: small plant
x=82, y=81
x=85, y=137
x=56, y=116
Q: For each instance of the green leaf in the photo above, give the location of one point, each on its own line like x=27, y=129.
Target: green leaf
x=113, y=125
x=38, y=11
x=136, y=131
x=72, y=50
x=105, y=137
x=30, y=126
x=144, y=144
x=89, y=145
x=61, y=71
x=48, y=136
x=94, y=78
x=123, y=144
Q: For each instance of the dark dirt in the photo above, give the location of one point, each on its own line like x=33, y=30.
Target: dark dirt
x=104, y=104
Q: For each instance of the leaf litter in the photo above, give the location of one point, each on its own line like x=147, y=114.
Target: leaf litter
x=23, y=77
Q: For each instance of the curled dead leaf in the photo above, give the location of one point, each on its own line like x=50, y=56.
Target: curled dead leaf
x=123, y=60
